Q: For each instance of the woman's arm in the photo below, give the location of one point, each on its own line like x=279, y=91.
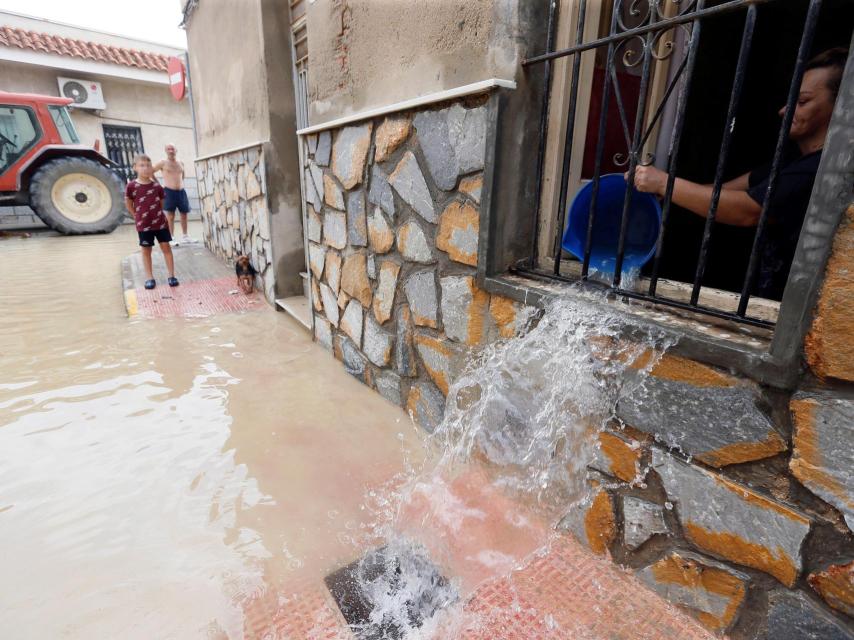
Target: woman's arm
x=735, y=207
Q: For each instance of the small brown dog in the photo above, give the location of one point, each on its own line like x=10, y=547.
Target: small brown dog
x=245, y=274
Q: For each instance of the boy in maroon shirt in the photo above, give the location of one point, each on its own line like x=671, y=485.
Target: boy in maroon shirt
x=144, y=201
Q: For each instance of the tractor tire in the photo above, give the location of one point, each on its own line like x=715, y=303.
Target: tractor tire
x=77, y=195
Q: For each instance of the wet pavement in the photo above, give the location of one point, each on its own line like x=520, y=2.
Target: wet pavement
x=155, y=475
x=196, y=473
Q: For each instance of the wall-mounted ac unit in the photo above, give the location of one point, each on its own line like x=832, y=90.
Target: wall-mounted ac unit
x=86, y=94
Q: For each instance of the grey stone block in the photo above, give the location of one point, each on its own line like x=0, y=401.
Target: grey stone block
x=404, y=348
x=793, y=616
x=409, y=183
x=708, y=589
x=420, y=290
x=377, y=342
x=323, y=332
x=457, y=311
x=389, y=387
x=324, y=149
x=354, y=362
x=335, y=229
x=330, y=304
x=426, y=405
x=357, y=227
x=316, y=259
x=380, y=192
x=707, y=422
x=413, y=244
x=311, y=194
x=733, y=521
x=641, y=521
x=453, y=141
x=351, y=321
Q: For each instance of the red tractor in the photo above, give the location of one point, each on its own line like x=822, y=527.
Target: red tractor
x=71, y=187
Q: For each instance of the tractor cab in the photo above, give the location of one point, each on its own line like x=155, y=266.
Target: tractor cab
x=71, y=187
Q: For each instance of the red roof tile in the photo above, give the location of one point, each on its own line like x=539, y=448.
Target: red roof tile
x=70, y=47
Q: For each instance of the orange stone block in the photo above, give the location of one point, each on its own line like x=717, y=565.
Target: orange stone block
x=836, y=585
x=717, y=592
x=459, y=226
x=622, y=456
x=600, y=523
x=829, y=346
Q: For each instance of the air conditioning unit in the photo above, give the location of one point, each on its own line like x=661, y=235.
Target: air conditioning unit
x=86, y=94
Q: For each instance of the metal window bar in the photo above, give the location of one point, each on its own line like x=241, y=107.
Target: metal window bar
x=123, y=143
x=654, y=25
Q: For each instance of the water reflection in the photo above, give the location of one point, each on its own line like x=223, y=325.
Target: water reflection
x=155, y=476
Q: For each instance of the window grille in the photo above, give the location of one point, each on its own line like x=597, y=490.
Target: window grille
x=640, y=43
x=123, y=143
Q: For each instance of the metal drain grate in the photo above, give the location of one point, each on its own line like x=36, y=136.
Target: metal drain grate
x=390, y=590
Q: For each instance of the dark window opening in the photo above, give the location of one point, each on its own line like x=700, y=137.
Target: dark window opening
x=63, y=124
x=123, y=143
x=767, y=47
x=19, y=131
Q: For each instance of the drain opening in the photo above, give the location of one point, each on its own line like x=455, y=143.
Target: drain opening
x=391, y=590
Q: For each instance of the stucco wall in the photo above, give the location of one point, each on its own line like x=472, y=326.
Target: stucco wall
x=227, y=72
x=365, y=54
x=150, y=107
x=243, y=96
x=281, y=154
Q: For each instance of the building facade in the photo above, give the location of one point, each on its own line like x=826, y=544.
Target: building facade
x=137, y=113
x=442, y=148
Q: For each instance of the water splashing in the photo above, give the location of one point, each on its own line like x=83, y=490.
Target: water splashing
x=520, y=428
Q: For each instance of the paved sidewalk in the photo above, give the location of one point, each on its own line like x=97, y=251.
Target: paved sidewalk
x=562, y=593
x=208, y=286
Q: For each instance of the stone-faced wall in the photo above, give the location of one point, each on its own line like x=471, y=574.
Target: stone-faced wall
x=393, y=215
x=235, y=217
x=733, y=501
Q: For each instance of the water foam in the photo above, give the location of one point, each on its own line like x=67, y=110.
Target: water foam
x=525, y=413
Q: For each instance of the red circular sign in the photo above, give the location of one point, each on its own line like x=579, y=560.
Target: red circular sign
x=177, y=78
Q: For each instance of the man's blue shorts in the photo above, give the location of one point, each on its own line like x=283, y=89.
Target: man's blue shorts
x=176, y=199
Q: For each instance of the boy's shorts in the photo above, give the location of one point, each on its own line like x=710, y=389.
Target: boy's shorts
x=146, y=238
x=176, y=199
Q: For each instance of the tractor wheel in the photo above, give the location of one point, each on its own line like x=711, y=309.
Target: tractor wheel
x=77, y=195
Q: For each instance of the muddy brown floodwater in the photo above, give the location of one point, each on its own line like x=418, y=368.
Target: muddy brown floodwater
x=155, y=475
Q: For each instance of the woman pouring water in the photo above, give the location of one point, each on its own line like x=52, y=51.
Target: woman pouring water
x=741, y=199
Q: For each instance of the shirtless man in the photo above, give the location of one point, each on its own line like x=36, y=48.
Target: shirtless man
x=175, y=198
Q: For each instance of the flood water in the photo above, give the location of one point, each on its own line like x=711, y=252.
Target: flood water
x=223, y=477
x=156, y=474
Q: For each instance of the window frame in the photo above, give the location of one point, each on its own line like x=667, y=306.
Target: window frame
x=59, y=112
x=507, y=233
x=37, y=128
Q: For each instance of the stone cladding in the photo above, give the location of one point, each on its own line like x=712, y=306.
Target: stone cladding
x=235, y=217
x=731, y=500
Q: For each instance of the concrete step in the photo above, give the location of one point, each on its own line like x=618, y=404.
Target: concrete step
x=296, y=307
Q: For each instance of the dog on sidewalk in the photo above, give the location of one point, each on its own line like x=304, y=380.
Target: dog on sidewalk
x=245, y=274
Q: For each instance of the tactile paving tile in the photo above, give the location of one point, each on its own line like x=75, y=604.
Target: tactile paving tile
x=306, y=612
x=199, y=298
x=564, y=594
x=570, y=594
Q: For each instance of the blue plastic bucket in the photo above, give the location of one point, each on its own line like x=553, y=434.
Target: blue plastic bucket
x=641, y=234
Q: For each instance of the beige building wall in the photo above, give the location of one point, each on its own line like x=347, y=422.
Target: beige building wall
x=365, y=54
x=227, y=73
x=150, y=107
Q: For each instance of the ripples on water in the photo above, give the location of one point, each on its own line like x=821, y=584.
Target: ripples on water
x=156, y=477
x=151, y=481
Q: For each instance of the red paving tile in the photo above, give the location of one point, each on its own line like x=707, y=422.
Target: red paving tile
x=561, y=593
x=199, y=298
